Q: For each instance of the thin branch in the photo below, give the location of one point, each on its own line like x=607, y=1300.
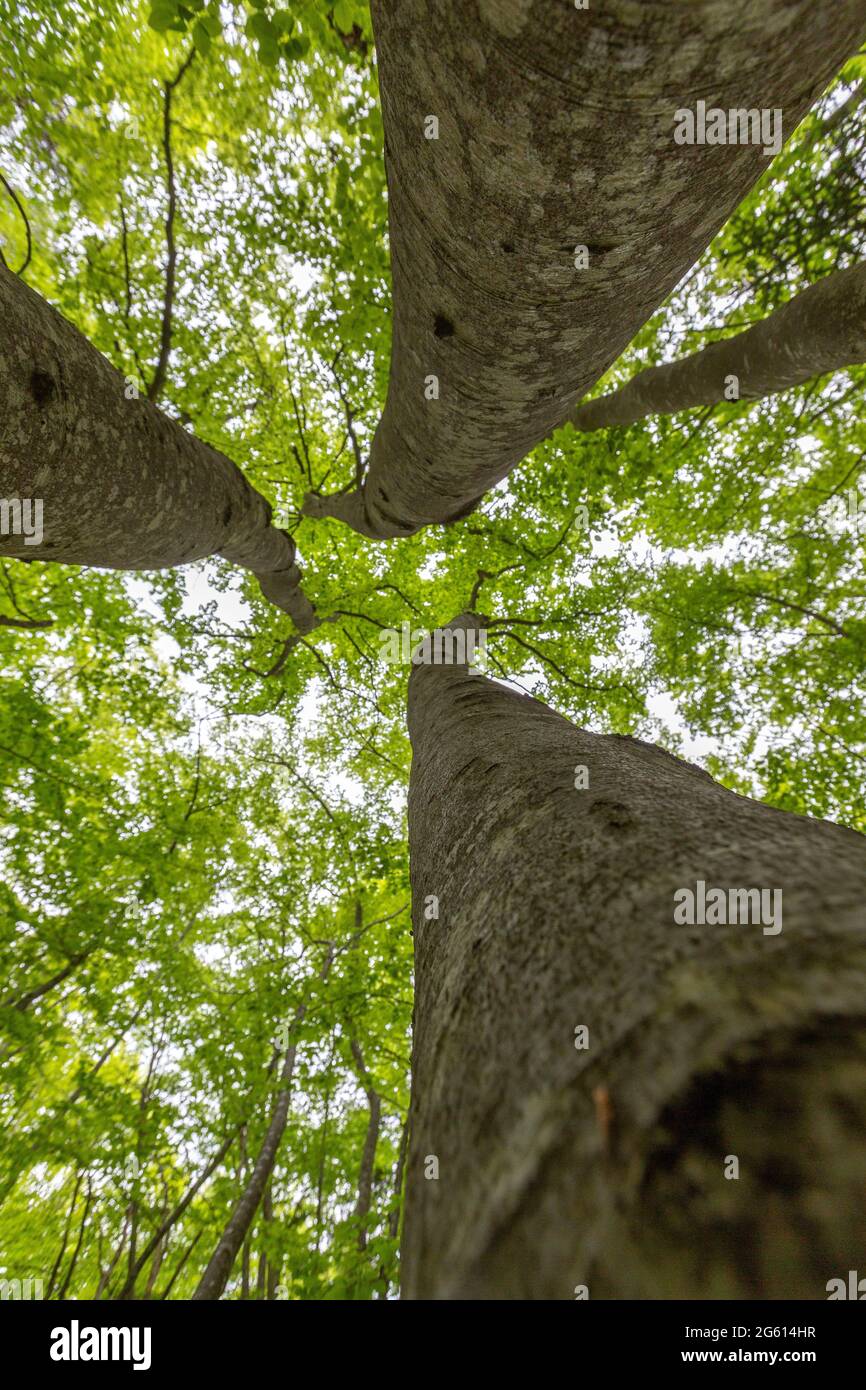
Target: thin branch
x=796, y=608
x=124, y=241
x=155, y=389
x=20, y=206
x=26, y=624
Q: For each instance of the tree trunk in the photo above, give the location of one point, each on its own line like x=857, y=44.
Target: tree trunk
x=821, y=330
x=122, y=485
x=77, y=1251
x=179, y=1267
x=394, y=1216
x=55, y=1269
x=215, y=1277
x=105, y=1274
x=604, y=1159
x=175, y=1215
x=555, y=137
x=273, y=1267
x=371, y=1139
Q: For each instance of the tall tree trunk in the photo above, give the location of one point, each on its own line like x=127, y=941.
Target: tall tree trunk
x=175, y=1215
x=215, y=1276
x=262, y=1266
x=105, y=1274
x=371, y=1139
x=272, y=1266
x=603, y=1159
x=161, y=1248
x=394, y=1216
x=179, y=1266
x=122, y=485
x=55, y=1269
x=320, y=1176
x=519, y=135
x=821, y=330
x=77, y=1251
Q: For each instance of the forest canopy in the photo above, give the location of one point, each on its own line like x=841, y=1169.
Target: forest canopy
x=204, y=863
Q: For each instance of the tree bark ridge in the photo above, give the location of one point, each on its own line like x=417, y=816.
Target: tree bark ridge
x=561, y=1166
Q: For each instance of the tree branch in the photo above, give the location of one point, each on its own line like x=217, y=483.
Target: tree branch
x=20, y=206
x=154, y=391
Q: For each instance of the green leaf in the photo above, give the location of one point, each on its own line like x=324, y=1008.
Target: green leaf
x=269, y=52
x=201, y=38
x=163, y=15
x=344, y=16
x=296, y=47
x=261, y=27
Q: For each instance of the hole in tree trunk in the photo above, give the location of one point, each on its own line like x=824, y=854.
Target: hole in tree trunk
x=42, y=387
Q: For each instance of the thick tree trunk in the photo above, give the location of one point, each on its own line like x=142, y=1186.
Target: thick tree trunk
x=608, y=1165
x=821, y=330
x=121, y=485
x=555, y=133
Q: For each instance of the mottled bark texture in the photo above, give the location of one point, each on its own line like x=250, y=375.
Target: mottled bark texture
x=821, y=330
x=605, y=1166
x=122, y=485
x=555, y=131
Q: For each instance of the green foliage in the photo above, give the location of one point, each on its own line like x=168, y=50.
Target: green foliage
x=193, y=803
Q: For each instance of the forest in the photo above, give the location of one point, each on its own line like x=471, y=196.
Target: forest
x=334, y=966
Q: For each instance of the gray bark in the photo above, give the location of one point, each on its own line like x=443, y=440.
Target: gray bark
x=604, y=1167
x=821, y=330
x=555, y=131
x=122, y=485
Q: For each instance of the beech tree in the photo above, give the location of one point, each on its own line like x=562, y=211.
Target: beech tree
x=622, y=1062
x=338, y=315
x=819, y=331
